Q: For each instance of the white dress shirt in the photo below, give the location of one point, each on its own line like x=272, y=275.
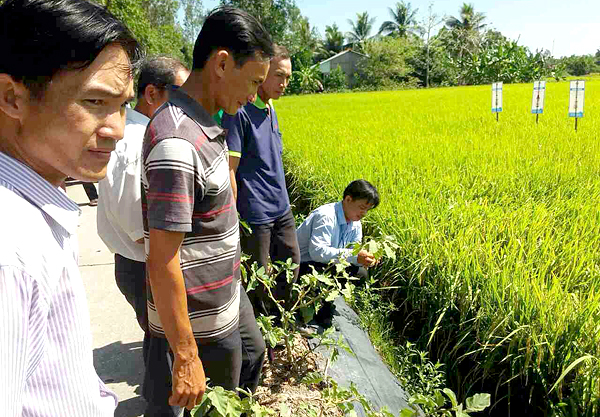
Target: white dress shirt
x=46, y=363
x=119, y=216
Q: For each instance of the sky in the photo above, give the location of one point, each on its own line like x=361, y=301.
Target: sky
x=563, y=27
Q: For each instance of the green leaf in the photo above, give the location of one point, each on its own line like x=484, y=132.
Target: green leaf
x=440, y=400
x=307, y=313
x=421, y=399
x=389, y=252
x=569, y=368
x=478, y=402
x=373, y=246
x=332, y=296
x=325, y=279
x=218, y=399
x=461, y=413
x=271, y=339
x=452, y=396
x=313, y=378
x=407, y=412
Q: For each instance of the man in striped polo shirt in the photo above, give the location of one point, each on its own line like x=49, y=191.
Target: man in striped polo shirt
x=65, y=80
x=199, y=317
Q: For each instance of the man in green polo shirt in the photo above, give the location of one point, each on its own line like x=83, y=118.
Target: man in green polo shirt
x=257, y=177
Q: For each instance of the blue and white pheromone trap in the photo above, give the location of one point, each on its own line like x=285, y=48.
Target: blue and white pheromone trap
x=539, y=94
x=576, y=99
x=496, y=97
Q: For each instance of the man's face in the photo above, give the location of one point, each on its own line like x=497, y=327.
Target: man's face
x=73, y=128
x=355, y=210
x=277, y=79
x=241, y=84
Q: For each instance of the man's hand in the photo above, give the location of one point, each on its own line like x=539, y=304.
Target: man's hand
x=366, y=259
x=189, y=381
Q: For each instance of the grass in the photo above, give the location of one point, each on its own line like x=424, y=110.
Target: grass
x=499, y=270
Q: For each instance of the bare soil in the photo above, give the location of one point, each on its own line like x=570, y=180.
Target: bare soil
x=282, y=383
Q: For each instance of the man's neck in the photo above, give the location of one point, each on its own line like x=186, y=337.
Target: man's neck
x=263, y=96
x=344, y=210
x=142, y=108
x=48, y=173
x=198, y=87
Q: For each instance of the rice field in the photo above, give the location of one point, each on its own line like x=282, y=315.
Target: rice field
x=499, y=268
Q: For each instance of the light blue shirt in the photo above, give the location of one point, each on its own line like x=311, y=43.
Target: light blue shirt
x=325, y=234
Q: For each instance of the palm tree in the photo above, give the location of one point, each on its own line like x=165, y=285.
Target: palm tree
x=404, y=20
x=361, y=29
x=334, y=38
x=468, y=20
x=333, y=43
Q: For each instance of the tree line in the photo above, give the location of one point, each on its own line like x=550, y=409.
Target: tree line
x=408, y=50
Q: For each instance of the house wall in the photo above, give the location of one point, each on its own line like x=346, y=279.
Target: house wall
x=348, y=64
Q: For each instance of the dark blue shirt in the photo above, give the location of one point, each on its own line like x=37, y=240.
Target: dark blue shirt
x=254, y=136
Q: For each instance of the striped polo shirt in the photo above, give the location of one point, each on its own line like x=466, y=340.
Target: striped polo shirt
x=186, y=188
x=46, y=363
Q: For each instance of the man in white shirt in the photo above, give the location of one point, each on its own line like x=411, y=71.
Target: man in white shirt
x=119, y=216
x=64, y=82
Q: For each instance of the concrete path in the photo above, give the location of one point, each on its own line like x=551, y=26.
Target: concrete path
x=116, y=335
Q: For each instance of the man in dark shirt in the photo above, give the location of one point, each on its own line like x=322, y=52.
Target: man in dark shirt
x=256, y=170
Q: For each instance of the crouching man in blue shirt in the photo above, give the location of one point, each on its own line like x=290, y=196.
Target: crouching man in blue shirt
x=326, y=233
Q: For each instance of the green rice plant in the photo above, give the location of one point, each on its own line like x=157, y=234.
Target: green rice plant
x=498, y=270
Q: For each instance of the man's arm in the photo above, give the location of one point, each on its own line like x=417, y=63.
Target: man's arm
x=15, y=307
x=170, y=298
x=171, y=195
x=236, y=130
x=234, y=162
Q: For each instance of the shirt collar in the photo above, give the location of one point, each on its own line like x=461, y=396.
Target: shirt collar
x=339, y=212
x=260, y=104
x=40, y=193
x=194, y=110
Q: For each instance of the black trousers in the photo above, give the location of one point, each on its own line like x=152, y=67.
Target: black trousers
x=130, y=276
x=234, y=361
x=274, y=241
x=325, y=314
x=90, y=190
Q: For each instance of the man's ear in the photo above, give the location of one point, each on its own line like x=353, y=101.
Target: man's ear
x=14, y=97
x=151, y=94
x=221, y=61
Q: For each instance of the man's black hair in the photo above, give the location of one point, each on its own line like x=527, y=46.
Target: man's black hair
x=39, y=38
x=236, y=31
x=362, y=190
x=159, y=71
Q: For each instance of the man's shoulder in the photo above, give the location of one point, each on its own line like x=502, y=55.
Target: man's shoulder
x=326, y=211
x=241, y=116
x=171, y=122
x=23, y=222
